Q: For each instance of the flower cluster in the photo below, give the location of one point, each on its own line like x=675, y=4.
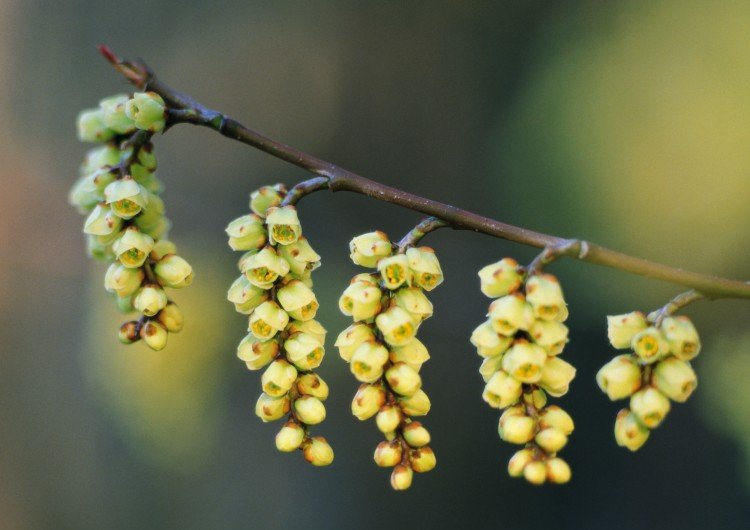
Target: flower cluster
x=382, y=350
x=521, y=342
x=275, y=290
x=655, y=371
x=119, y=192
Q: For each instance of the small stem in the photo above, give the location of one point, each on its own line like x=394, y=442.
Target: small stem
x=675, y=304
x=306, y=187
x=571, y=247
x=424, y=227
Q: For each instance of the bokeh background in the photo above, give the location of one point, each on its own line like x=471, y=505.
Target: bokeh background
x=627, y=123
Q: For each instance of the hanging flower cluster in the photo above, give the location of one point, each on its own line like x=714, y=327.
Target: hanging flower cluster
x=119, y=192
x=521, y=342
x=655, y=371
x=275, y=290
x=382, y=350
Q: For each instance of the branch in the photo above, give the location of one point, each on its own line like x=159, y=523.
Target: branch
x=184, y=109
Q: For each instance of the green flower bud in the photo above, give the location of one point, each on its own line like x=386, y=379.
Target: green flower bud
x=113, y=114
x=629, y=432
x=300, y=256
x=622, y=328
x=102, y=222
x=312, y=385
x=558, y=471
x=152, y=213
x=278, y=378
x=290, y=437
x=267, y=320
x=366, y=250
x=555, y=417
x=551, y=439
x=125, y=304
x=310, y=327
x=351, y=338
x=256, y=354
x=501, y=278
x=413, y=354
x=268, y=408
x=150, y=299
x=423, y=460
x=368, y=360
x=173, y=271
x=675, y=378
x=524, y=361
x=245, y=296
x=133, y=247
x=304, y=351
x=515, y=428
x=501, y=390
x=418, y=404
x=649, y=345
x=266, y=197
x=413, y=300
x=388, y=454
x=98, y=250
x=91, y=126
x=682, y=337
x=105, y=156
x=395, y=271
x=556, y=376
x=544, y=294
x=146, y=179
x=84, y=195
x=360, y=300
x=396, y=325
x=246, y=233
x=489, y=342
x=154, y=335
x=550, y=335
x=403, y=380
x=162, y=248
x=425, y=267
x=298, y=300
x=389, y=418
x=620, y=377
x=122, y=280
x=650, y=406
x=535, y=473
x=265, y=267
x=415, y=434
x=171, y=318
x=309, y=410
x=489, y=366
x=147, y=110
x=128, y=333
x=283, y=224
x=318, y=451
x=510, y=313
x=519, y=461
x=401, y=477
x=367, y=401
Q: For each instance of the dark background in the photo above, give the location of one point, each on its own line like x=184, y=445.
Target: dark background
x=624, y=123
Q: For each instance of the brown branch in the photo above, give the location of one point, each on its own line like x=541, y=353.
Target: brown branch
x=184, y=109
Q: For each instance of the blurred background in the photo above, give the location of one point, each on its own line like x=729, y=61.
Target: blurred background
x=624, y=123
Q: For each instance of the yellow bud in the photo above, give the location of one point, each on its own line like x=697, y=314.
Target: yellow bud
x=366, y=250
x=622, y=328
x=415, y=302
x=290, y=437
x=311, y=384
x=556, y=376
x=413, y=354
x=558, y=471
x=516, y=429
x=162, y=248
x=682, y=337
x=524, y=361
x=122, y=280
x=318, y=451
x=536, y=398
x=649, y=345
x=394, y=270
x=245, y=296
x=171, y=318
x=397, y=326
x=367, y=401
x=389, y=418
x=283, y=224
x=298, y=300
x=535, y=472
x=401, y=477
x=126, y=197
x=368, y=360
x=133, y=247
x=415, y=434
x=620, y=377
x=265, y=197
x=264, y=268
x=268, y=408
x=489, y=366
x=551, y=439
x=102, y=222
x=150, y=299
x=154, y=335
x=629, y=432
x=147, y=110
x=351, y=338
x=519, y=461
x=423, y=460
x=128, y=332
x=267, y=320
x=246, y=233
x=418, y=404
x=489, y=342
x=501, y=278
x=300, y=256
x=554, y=416
x=388, y=454
x=311, y=327
x=91, y=127
x=675, y=378
x=650, y=406
x=256, y=354
x=544, y=294
x=425, y=268
x=173, y=271
x=309, y=410
x=403, y=380
x=550, y=335
x=360, y=300
x=278, y=378
x=509, y=314
x=304, y=351
x=501, y=390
